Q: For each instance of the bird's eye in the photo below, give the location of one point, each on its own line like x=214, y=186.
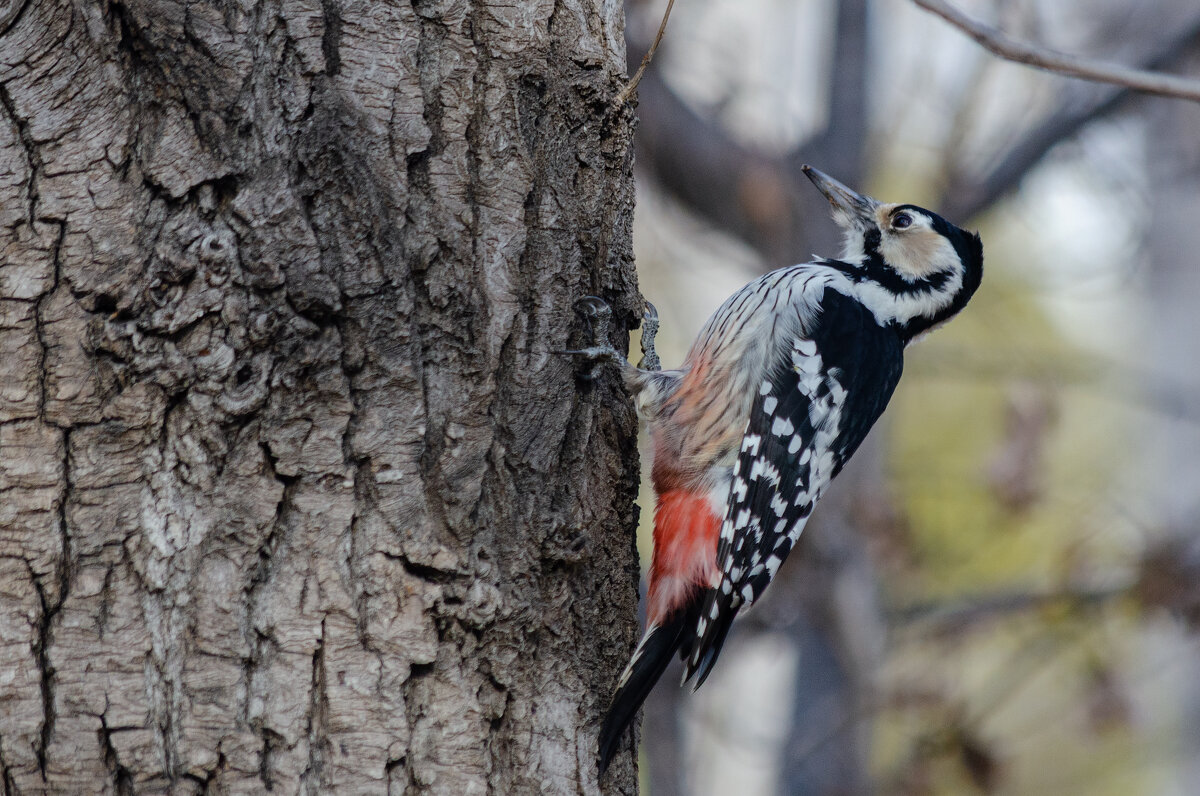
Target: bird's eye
x=902, y=221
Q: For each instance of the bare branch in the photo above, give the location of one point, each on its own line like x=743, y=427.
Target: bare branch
x=966, y=194
x=754, y=195
x=942, y=618
x=623, y=97
x=1001, y=44
x=760, y=197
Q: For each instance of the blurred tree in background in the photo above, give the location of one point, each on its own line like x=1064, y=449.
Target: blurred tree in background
x=1001, y=591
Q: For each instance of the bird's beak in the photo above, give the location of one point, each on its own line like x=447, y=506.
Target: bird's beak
x=848, y=207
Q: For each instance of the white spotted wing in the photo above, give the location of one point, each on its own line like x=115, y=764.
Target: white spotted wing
x=810, y=414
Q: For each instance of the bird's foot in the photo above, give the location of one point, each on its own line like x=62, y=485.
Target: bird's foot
x=598, y=316
x=649, y=360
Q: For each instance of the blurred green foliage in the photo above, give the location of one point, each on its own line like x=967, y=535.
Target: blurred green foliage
x=1017, y=661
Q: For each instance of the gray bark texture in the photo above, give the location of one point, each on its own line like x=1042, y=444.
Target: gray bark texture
x=294, y=496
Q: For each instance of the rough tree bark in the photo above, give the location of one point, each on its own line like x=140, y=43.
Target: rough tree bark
x=293, y=496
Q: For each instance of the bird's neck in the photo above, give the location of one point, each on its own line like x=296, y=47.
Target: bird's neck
x=910, y=307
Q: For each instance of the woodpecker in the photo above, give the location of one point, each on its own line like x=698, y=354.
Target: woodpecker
x=777, y=392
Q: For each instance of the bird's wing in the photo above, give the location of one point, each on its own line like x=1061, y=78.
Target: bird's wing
x=810, y=414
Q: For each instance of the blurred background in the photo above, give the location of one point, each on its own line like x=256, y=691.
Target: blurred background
x=1002, y=592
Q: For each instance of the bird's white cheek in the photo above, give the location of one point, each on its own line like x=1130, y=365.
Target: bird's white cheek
x=918, y=254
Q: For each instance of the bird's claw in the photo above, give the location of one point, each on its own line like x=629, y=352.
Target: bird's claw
x=649, y=360
x=594, y=306
x=599, y=318
x=598, y=315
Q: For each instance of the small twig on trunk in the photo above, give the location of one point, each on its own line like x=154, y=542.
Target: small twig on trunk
x=999, y=43
x=625, y=93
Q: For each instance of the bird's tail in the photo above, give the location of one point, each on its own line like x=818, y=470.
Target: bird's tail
x=717, y=610
x=648, y=663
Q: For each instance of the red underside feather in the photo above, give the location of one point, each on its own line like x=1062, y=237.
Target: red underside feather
x=685, y=551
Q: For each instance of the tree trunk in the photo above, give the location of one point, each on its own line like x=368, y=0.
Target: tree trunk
x=1170, y=442
x=294, y=494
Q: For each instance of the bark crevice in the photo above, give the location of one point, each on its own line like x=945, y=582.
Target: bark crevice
x=33, y=159
x=121, y=776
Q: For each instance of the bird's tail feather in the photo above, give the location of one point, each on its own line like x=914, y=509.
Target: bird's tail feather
x=715, y=616
x=649, y=662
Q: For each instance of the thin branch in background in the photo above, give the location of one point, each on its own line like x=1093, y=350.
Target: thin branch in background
x=948, y=618
x=966, y=193
x=999, y=43
x=623, y=97
x=1140, y=388
x=757, y=196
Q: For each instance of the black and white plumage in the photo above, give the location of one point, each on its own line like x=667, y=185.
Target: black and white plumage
x=778, y=391
x=812, y=412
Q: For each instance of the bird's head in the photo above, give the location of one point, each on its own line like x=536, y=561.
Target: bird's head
x=912, y=267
